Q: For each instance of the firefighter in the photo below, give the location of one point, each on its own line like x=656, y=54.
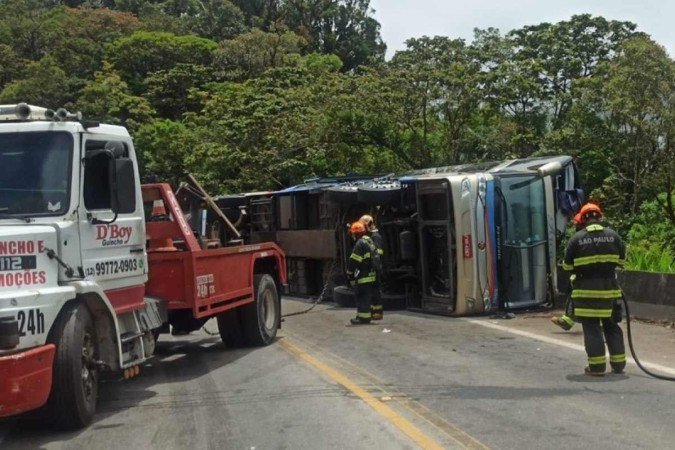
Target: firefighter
x=567, y=320
x=360, y=273
x=593, y=254
x=372, y=231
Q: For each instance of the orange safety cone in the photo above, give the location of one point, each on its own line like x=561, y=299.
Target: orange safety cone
x=158, y=208
x=163, y=244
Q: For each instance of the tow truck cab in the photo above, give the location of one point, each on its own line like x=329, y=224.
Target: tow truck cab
x=78, y=292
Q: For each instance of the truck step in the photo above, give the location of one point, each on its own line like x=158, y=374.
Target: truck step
x=130, y=336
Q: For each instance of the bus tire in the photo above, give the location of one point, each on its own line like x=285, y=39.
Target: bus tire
x=72, y=400
x=380, y=193
x=344, y=296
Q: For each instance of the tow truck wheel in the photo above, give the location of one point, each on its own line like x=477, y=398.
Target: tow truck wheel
x=261, y=318
x=229, y=328
x=72, y=401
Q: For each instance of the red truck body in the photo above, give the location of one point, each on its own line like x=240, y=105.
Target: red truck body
x=182, y=275
x=206, y=281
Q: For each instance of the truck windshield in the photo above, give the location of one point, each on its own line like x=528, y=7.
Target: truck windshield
x=35, y=173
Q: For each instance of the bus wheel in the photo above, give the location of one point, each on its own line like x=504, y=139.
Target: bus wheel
x=72, y=401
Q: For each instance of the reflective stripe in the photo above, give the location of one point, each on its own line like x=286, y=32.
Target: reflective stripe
x=609, y=294
x=597, y=359
x=380, y=251
x=376, y=308
x=364, y=315
x=356, y=257
x=366, y=256
x=621, y=262
x=587, y=312
x=596, y=259
x=567, y=266
x=617, y=358
x=595, y=227
x=364, y=280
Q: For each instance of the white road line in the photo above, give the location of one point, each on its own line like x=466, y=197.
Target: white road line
x=558, y=342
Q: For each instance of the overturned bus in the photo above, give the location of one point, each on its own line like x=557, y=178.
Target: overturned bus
x=458, y=240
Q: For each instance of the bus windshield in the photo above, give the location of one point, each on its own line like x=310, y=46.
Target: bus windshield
x=35, y=173
x=526, y=210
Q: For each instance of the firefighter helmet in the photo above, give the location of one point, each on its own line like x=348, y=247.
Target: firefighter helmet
x=357, y=228
x=367, y=220
x=588, y=211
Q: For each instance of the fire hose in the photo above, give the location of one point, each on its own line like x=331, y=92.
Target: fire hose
x=632, y=349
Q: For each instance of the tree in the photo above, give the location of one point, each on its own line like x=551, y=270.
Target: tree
x=107, y=98
x=45, y=84
x=566, y=51
x=143, y=53
x=11, y=66
x=342, y=27
x=218, y=20
x=162, y=146
x=170, y=92
x=250, y=54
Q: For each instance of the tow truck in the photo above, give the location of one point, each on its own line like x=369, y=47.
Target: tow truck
x=94, y=266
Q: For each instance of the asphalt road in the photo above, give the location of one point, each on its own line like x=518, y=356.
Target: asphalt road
x=411, y=381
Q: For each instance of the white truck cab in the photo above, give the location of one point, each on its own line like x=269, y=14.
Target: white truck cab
x=72, y=233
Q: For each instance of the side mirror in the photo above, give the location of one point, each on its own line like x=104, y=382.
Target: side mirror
x=124, y=187
x=549, y=169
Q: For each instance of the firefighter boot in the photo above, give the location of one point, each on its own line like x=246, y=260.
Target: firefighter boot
x=563, y=322
x=359, y=321
x=593, y=373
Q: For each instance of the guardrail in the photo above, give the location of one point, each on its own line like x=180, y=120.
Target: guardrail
x=650, y=295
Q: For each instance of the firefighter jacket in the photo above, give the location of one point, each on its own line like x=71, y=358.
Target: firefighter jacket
x=359, y=265
x=377, y=240
x=593, y=253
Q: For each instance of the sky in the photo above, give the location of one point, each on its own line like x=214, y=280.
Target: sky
x=403, y=19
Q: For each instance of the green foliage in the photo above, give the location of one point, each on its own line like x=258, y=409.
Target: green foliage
x=259, y=94
x=250, y=54
x=45, y=83
x=107, y=98
x=162, y=146
x=144, y=53
x=344, y=28
x=170, y=92
x=650, y=257
x=11, y=66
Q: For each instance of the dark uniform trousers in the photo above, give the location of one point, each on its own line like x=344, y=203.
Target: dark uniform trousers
x=364, y=293
x=376, y=298
x=593, y=253
x=362, y=277
x=594, y=328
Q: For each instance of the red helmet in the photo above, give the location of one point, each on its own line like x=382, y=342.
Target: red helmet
x=357, y=228
x=589, y=209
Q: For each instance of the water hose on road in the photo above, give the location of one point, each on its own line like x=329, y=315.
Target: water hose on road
x=319, y=299
x=632, y=350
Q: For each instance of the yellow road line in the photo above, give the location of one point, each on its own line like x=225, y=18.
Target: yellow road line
x=392, y=416
x=453, y=432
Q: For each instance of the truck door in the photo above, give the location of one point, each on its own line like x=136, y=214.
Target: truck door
x=113, y=242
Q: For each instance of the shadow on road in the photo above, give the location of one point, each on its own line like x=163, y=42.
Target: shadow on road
x=177, y=359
